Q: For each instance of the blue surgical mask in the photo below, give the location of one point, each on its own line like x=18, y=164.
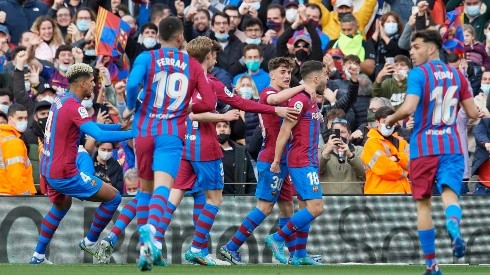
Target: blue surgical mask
x=4, y=108
x=221, y=37
x=246, y=92
x=255, y=41
x=472, y=11
x=485, y=88
x=21, y=126
x=83, y=25
x=390, y=28
x=90, y=52
x=253, y=65
x=63, y=68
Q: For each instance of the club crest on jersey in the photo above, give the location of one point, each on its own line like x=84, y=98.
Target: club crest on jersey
x=94, y=183
x=298, y=106
x=228, y=92
x=315, y=188
x=83, y=112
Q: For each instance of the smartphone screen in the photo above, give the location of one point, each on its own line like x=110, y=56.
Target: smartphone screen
x=390, y=60
x=336, y=133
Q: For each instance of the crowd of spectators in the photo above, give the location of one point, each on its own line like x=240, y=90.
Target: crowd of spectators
x=41, y=39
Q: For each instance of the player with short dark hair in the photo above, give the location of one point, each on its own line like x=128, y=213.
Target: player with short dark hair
x=66, y=121
x=434, y=94
x=270, y=188
x=302, y=163
x=170, y=78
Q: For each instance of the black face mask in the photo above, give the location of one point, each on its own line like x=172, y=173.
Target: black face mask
x=301, y=55
x=42, y=123
x=222, y=138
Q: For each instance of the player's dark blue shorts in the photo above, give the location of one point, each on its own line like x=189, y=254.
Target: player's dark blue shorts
x=306, y=182
x=209, y=174
x=81, y=186
x=269, y=184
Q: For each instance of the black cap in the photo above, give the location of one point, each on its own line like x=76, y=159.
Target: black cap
x=42, y=105
x=45, y=87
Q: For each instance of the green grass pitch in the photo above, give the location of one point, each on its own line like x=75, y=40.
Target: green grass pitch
x=74, y=269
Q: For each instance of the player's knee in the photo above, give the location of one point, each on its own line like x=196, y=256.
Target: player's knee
x=116, y=200
x=286, y=208
x=265, y=207
x=315, y=207
x=63, y=205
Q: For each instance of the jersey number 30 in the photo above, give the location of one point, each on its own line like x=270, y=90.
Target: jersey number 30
x=445, y=108
x=173, y=85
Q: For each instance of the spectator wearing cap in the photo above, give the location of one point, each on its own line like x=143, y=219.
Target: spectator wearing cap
x=253, y=58
x=351, y=42
x=334, y=59
x=391, y=81
x=306, y=47
x=34, y=137
x=386, y=157
x=231, y=47
x=15, y=167
x=330, y=20
x=45, y=93
x=20, y=15
x=312, y=12
x=475, y=12
x=5, y=46
x=341, y=170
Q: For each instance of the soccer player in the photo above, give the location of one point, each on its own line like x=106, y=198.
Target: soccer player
x=269, y=184
x=202, y=155
x=435, y=91
x=302, y=162
x=169, y=79
x=66, y=121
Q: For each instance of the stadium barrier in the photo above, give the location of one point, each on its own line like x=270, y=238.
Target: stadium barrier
x=352, y=229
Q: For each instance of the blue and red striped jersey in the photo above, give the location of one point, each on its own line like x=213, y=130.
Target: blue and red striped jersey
x=169, y=78
x=303, y=150
x=62, y=136
x=270, y=124
x=440, y=88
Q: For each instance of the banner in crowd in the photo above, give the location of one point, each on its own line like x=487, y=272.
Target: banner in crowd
x=352, y=229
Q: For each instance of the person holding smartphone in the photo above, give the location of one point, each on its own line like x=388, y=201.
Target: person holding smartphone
x=341, y=170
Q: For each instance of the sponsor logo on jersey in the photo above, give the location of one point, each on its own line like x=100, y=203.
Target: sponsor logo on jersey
x=83, y=112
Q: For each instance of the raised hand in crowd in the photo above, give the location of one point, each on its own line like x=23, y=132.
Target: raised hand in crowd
x=330, y=95
x=73, y=30
x=102, y=116
x=179, y=7
x=190, y=13
x=21, y=60
x=57, y=4
x=423, y=6
x=77, y=55
x=33, y=75
x=332, y=143
x=328, y=60
x=388, y=69
x=90, y=35
x=269, y=34
x=354, y=70
x=3, y=17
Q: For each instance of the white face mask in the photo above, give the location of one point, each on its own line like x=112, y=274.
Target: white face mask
x=21, y=126
x=104, y=155
x=485, y=88
x=48, y=98
x=488, y=36
x=291, y=15
x=27, y=86
x=87, y=103
x=4, y=108
x=149, y=42
x=254, y=41
x=401, y=75
x=132, y=193
x=246, y=92
x=390, y=28
x=347, y=74
x=255, y=6
x=386, y=131
x=64, y=68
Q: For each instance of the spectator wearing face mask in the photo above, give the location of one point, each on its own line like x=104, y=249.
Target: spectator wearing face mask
x=15, y=167
x=386, y=157
x=330, y=20
x=107, y=168
x=246, y=89
x=360, y=135
x=276, y=19
x=391, y=81
x=475, y=12
x=131, y=182
x=254, y=29
x=231, y=47
x=482, y=97
x=33, y=137
x=252, y=55
x=385, y=39
x=6, y=100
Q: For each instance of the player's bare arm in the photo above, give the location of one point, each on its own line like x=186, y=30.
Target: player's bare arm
x=281, y=141
x=231, y=115
x=284, y=95
x=470, y=109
